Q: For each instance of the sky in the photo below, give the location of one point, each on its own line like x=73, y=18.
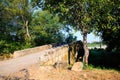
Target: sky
x=90, y=38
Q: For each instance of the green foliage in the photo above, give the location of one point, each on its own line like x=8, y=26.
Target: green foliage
x=94, y=67
x=22, y=26
x=91, y=67
x=107, y=19
x=75, y=12
x=13, y=15
x=46, y=28
x=104, y=59
x=112, y=39
x=9, y=47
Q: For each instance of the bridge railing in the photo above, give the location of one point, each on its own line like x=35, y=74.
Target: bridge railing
x=20, y=53
x=31, y=50
x=54, y=55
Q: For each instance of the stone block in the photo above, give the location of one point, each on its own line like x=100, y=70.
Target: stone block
x=78, y=66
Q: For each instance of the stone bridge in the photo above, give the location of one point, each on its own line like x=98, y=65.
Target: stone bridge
x=44, y=55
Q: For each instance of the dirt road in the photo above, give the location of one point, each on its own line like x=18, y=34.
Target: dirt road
x=37, y=72
x=10, y=66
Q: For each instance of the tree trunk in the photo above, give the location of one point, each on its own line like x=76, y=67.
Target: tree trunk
x=27, y=31
x=86, y=50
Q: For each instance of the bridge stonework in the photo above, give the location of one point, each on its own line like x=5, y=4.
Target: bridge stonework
x=31, y=50
x=54, y=55
x=49, y=53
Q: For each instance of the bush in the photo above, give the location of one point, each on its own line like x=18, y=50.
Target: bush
x=100, y=57
x=10, y=47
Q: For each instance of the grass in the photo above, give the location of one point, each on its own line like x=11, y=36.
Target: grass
x=94, y=44
x=92, y=67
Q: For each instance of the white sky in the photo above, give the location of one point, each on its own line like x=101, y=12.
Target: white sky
x=90, y=38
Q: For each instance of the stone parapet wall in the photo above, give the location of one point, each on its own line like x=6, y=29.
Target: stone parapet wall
x=55, y=55
x=31, y=50
x=45, y=55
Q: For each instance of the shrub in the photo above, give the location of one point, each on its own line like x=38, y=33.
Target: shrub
x=100, y=57
x=10, y=47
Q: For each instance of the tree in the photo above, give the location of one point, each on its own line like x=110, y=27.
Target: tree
x=15, y=17
x=76, y=13
x=5, y=27
x=21, y=25
x=107, y=19
x=46, y=28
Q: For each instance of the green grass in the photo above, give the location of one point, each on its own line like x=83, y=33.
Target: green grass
x=95, y=44
x=92, y=67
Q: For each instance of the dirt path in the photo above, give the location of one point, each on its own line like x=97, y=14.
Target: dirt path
x=24, y=68
x=10, y=66
x=37, y=72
